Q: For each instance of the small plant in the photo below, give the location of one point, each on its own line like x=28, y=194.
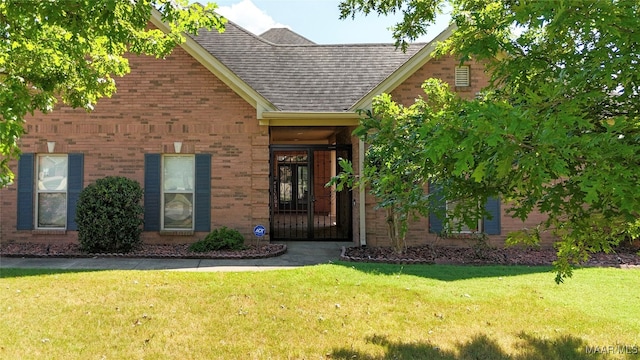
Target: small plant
x=109, y=215
x=219, y=239
x=633, y=235
x=480, y=246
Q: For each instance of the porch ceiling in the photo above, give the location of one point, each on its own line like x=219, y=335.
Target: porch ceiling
x=295, y=133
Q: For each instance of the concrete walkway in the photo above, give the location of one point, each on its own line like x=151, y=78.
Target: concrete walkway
x=299, y=253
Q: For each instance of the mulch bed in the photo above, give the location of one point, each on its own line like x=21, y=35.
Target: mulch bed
x=623, y=257
x=145, y=251
x=482, y=256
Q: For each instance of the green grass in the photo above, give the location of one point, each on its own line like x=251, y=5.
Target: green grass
x=340, y=311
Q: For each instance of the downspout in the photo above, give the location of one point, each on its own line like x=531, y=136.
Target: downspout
x=362, y=195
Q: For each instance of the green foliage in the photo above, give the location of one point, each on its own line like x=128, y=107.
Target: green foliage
x=109, y=215
x=417, y=15
x=633, y=230
x=558, y=128
x=400, y=161
x=392, y=168
x=219, y=239
x=72, y=50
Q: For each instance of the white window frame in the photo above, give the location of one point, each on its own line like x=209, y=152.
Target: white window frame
x=40, y=173
x=181, y=190
x=452, y=222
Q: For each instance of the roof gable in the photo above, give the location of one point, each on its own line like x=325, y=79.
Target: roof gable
x=305, y=77
x=219, y=69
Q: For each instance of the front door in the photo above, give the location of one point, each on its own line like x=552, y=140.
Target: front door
x=293, y=186
x=302, y=207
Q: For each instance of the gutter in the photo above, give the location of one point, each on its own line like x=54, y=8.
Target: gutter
x=308, y=118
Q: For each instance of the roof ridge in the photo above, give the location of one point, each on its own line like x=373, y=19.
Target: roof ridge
x=314, y=44
x=289, y=32
x=256, y=37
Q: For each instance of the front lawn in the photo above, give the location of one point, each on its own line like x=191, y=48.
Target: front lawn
x=339, y=311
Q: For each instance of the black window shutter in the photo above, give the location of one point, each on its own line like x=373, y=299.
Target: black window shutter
x=25, y=191
x=492, y=225
x=74, y=187
x=438, y=203
x=202, y=207
x=152, y=178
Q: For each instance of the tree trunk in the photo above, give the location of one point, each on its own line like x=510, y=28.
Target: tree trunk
x=395, y=231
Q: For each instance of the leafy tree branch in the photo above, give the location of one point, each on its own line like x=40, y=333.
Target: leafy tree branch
x=71, y=51
x=558, y=128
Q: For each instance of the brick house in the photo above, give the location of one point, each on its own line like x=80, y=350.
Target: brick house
x=231, y=130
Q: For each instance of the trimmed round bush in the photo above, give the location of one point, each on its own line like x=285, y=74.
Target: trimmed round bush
x=219, y=239
x=109, y=215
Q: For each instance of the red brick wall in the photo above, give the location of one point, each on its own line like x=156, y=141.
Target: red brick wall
x=444, y=69
x=159, y=102
x=177, y=99
x=406, y=93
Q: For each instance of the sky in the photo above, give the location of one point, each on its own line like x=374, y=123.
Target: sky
x=317, y=20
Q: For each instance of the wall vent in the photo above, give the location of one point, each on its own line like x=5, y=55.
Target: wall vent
x=462, y=76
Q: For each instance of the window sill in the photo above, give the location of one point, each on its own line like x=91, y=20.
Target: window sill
x=176, y=232
x=48, y=232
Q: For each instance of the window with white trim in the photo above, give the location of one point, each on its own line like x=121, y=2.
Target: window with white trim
x=178, y=185
x=51, y=191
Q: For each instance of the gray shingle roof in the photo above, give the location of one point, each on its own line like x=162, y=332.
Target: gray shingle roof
x=284, y=36
x=308, y=77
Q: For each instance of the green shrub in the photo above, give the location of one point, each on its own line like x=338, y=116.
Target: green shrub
x=109, y=215
x=219, y=239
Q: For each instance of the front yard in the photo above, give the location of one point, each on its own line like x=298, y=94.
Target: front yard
x=338, y=311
